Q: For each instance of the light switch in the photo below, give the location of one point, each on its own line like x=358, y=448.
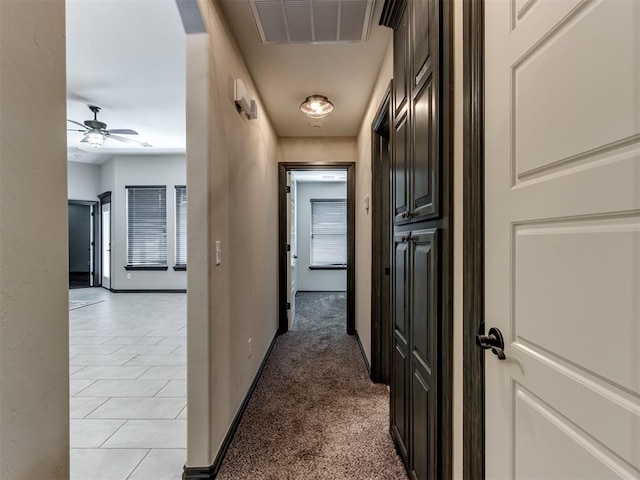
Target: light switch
x=218, y=252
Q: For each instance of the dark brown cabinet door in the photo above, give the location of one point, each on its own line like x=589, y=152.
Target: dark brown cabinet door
x=423, y=357
x=420, y=405
x=400, y=361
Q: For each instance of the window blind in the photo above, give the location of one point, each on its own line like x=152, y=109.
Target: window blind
x=181, y=225
x=147, y=226
x=328, y=232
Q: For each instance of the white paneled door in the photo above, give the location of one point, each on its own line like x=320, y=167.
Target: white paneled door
x=291, y=252
x=563, y=238
x=106, y=245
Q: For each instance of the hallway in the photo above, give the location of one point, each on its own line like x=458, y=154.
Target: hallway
x=315, y=413
x=128, y=389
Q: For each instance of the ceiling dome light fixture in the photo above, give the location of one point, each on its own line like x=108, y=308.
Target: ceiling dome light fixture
x=95, y=139
x=316, y=106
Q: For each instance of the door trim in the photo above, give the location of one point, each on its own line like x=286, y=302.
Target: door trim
x=283, y=168
x=473, y=239
x=381, y=228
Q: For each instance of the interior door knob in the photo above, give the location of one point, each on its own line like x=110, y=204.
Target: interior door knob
x=493, y=341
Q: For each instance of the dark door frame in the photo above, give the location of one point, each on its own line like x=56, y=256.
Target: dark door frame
x=473, y=239
x=381, y=233
x=97, y=251
x=283, y=168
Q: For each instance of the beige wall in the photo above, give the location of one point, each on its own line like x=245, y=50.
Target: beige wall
x=34, y=345
x=363, y=217
x=232, y=181
x=317, y=149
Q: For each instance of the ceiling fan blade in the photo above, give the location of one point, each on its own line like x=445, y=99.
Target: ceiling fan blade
x=74, y=130
x=128, y=140
x=77, y=123
x=123, y=131
x=84, y=140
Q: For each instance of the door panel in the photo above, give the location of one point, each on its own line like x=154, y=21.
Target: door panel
x=423, y=428
x=400, y=171
x=563, y=239
x=399, y=288
x=400, y=62
x=424, y=366
x=425, y=168
x=400, y=361
x=398, y=399
x=424, y=291
x=421, y=37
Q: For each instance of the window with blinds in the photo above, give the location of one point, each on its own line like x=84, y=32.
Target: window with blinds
x=147, y=226
x=181, y=226
x=328, y=232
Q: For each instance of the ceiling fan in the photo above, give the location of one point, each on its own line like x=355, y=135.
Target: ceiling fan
x=95, y=132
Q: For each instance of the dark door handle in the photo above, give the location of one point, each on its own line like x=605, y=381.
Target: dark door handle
x=493, y=341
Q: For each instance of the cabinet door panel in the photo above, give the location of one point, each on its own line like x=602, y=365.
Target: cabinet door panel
x=399, y=395
x=423, y=300
x=400, y=171
x=423, y=428
x=400, y=62
x=400, y=281
x=425, y=165
x=421, y=29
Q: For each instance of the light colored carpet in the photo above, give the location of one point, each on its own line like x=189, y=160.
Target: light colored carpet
x=315, y=413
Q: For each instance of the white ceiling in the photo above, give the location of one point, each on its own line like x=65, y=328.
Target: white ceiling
x=128, y=57
x=285, y=74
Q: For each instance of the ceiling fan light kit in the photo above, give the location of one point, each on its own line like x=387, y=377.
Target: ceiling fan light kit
x=316, y=106
x=95, y=132
x=95, y=139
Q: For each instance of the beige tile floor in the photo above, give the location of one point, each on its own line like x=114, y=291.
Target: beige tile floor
x=127, y=358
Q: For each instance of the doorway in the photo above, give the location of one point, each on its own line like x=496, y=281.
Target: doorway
x=381, y=238
x=83, y=232
x=314, y=254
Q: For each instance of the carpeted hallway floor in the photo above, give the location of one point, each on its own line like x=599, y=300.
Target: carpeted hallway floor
x=315, y=413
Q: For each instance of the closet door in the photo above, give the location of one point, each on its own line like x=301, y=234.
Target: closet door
x=400, y=359
x=423, y=352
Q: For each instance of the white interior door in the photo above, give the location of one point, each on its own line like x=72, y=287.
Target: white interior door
x=290, y=259
x=293, y=241
x=106, y=245
x=563, y=238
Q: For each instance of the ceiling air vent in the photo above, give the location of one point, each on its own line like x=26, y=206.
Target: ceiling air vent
x=312, y=21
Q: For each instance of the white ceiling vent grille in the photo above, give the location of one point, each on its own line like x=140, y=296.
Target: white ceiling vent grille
x=312, y=21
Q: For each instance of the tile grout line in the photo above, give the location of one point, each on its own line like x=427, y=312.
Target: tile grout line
x=138, y=377
x=84, y=388
x=136, y=467
x=116, y=431
x=106, y=399
x=163, y=387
